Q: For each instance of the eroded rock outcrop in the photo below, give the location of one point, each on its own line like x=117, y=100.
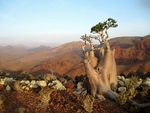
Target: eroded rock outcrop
x=134, y=57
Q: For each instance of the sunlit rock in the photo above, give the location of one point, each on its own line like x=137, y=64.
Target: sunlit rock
x=58, y=85
x=122, y=89
x=41, y=83
x=147, y=81
x=8, y=88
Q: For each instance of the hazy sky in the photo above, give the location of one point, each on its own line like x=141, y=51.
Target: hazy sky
x=35, y=22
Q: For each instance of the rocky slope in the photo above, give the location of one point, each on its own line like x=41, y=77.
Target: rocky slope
x=54, y=94
x=132, y=54
x=31, y=59
x=67, y=64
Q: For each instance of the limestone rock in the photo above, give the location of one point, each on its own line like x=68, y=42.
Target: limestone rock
x=122, y=89
x=27, y=82
x=8, y=80
x=33, y=82
x=121, y=78
x=33, y=86
x=121, y=83
x=27, y=88
x=2, y=82
x=57, y=84
x=8, y=88
x=79, y=85
x=41, y=83
x=22, y=82
x=147, y=81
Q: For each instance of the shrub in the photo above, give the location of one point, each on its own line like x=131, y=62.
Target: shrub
x=130, y=93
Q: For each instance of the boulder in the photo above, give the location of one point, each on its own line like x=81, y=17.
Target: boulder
x=41, y=83
x=57, y=84
x=8, y=88
x=49, y=77
x=122, y=89
x=147, y=81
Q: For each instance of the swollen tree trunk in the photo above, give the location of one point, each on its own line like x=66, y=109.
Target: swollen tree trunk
x=101, y=70
x=101, y=73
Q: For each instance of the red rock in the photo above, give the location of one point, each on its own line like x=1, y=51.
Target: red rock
x=79, y=111
x=134, y=56
x=70, y=85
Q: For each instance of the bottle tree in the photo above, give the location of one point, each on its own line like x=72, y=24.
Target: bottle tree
x=100, y=65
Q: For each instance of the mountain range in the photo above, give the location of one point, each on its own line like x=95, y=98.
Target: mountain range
x=132, y=54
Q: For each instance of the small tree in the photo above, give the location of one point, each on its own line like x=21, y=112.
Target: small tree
x=101, y=69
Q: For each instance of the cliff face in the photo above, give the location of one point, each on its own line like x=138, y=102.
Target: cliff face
x=132, y=54
x=134, y=57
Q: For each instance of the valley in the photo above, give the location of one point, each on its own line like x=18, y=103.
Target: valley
x=131, y=54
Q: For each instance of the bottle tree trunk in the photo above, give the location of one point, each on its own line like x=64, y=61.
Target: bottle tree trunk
x=100, y=65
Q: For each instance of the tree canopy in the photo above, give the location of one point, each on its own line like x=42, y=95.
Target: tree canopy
x=104, y=26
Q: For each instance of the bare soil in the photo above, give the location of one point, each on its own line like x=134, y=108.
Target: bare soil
x=62, y=102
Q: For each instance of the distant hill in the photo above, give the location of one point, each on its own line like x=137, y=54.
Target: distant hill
x=40, y=48
x=8, y=53
x=69, y=64
x=132, y=54
x=11, y=50
x=31, y=59
x=15, y=52
x=125, y=42
x=74, y=47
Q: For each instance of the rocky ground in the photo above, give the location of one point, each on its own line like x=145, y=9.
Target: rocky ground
x=50, y=99
x=60, y=102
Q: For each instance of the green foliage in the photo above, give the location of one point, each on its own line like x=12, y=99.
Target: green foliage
x=20, y=110
x=98, y=27
x=30, y=77
x=101, y=29
x=44, y=96
x=130, y=93
x=62, y=80
x=49, y=77
x=105, y=25
x=88, y=103
x=144, y=90
x=15, y=85
x=133, y=91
